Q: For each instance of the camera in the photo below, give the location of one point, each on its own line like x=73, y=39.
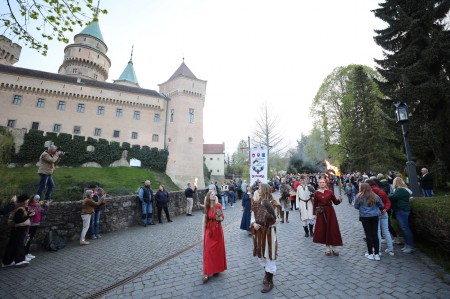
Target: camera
x=62, y=152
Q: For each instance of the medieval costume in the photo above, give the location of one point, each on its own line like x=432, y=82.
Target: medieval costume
x=214, y=258
x=284, y=199
x=305, y=195
x=326, y=229
x=246, y=211
x=265, y=236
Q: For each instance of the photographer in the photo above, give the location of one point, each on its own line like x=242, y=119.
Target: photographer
x=47, y=162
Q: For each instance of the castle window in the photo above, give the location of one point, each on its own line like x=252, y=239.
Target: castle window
x=116, y=133
x=76, y=129
x=157, y=117
x=17, y=100
x=95, y=76
x=79, y=49
x=119, y=112
x=134, y=135
x=97, y=132
x=137, y=115
x=191, y=115
x=35, y=125
x=210, y=159
x=40, y=103
x=155, y=137
x=101, y=110
x=57, y=128
x=11, y=123
x=172, y=114
x=80, y=108
x=75, y=71
x=62, y=105
x=190, y=139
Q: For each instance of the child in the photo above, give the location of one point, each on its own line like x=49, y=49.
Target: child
x=349, y=192
x=34, y=205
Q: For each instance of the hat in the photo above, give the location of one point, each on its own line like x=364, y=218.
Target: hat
x=22, y=198
x=36, y=197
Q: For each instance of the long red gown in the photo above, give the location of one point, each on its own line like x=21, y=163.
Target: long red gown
x=326, y=229
x=214, y=257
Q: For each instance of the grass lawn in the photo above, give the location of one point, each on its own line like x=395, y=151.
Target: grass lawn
x=70, y=181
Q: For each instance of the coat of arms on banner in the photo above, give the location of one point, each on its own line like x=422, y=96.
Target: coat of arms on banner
x=258, y=165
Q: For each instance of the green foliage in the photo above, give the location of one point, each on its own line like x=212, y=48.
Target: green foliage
x=70, y=182
x=50, y=18
x=415, y=70
x=76, y=150
x=6, y=146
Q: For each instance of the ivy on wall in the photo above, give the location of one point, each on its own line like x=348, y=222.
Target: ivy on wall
x=76, y=146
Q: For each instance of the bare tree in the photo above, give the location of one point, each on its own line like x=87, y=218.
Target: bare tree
x=266, y=132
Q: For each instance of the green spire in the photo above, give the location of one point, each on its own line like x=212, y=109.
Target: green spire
x=128, y=74
x=93, y=29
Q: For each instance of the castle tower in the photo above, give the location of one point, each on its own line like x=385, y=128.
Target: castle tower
x=9, y=51
x=184, y=114
x=128, y=76
x=86, y=57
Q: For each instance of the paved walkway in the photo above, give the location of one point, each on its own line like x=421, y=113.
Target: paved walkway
x=165, y=261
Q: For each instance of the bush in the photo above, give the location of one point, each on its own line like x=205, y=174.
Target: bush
x=430, y=221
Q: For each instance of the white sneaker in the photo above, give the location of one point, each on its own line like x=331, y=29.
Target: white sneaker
x=9, y=265
x=370, y=256
x=84, y=243
x=30, y=256
x=376, y=257
x=22, y=264
x=391, y=253
x=409, y=250
x=27, y=259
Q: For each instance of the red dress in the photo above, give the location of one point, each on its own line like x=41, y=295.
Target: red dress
x=214, y=257
x=326, y=229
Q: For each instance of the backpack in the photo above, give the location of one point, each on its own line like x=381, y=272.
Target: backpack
x=53, y=241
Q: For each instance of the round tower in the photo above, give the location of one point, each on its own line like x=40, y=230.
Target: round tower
x=86, y=57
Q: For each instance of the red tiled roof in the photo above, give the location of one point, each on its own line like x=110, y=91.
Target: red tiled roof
x=213, y=148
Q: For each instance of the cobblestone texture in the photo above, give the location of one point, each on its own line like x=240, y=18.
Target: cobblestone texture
x=169, y=261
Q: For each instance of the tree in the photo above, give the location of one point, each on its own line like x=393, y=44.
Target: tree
x=35, y=22
x=415, y=67
x=266, y=133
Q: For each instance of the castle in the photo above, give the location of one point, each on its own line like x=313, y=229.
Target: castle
x=79, y=101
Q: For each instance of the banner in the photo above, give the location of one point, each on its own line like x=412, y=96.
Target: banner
x=258, y=165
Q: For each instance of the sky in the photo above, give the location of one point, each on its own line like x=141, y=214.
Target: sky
x=250, y=52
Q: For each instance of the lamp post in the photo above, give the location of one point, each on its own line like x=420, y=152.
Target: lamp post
x=401, y=114
x=348, y=162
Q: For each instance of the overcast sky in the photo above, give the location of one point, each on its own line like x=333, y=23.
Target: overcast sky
x=249, y=52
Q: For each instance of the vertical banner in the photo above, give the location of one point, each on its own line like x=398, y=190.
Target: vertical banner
x=258, y=164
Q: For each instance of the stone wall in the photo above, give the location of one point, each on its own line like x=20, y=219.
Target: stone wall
x=119, y=213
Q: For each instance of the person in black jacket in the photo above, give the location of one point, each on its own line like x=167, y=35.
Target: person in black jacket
x=189, y=193
x=426, y=182
x=162, y=198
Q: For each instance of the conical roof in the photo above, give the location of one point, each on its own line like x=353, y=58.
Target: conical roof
x=183, y=70
x=128, y=74
x=93, y=29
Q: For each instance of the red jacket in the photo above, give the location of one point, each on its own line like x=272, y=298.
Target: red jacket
x=383, y=196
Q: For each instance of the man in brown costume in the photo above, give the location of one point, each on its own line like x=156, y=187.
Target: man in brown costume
x=264, y=234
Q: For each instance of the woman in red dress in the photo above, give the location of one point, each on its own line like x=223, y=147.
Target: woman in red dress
x=214, y=257
x=326, y=230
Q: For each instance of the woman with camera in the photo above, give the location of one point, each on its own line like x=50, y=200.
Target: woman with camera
x=87, y=209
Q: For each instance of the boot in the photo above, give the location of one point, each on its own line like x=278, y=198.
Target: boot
x=287, y=217
x=306, y=231
x=265, y=280
x=311, y=226
x=282, y=217
x=144, y=220
x=269, y=284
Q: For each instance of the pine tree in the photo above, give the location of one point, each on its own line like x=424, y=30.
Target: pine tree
x=416, y=68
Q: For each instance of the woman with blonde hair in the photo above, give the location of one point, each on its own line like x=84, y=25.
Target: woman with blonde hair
x=401, y=207
x=369, y=205
x=266, y=210
x=214, y=256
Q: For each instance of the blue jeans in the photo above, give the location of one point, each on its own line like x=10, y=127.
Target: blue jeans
x=402, y=219
x=46, y=180
x=232, y=198
x=147, y=209
x=384, y=227
x=224, y=201
x=427, y=192
x=95, y=224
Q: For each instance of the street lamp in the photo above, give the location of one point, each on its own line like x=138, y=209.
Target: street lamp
x=401, y=114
